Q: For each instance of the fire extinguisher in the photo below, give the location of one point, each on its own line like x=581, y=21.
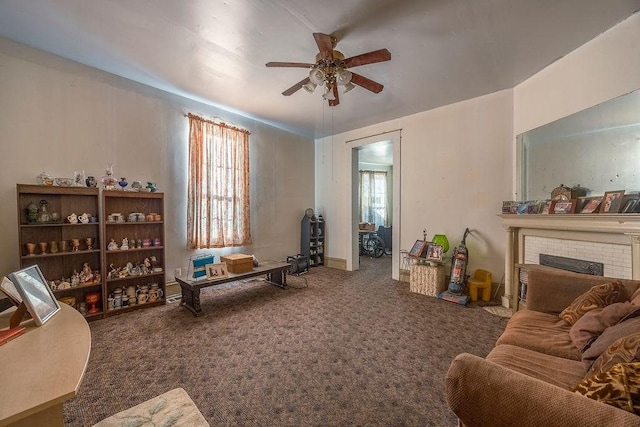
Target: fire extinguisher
x=459, y=266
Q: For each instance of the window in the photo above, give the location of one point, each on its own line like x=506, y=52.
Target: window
x=373, y=197
x=218, y=194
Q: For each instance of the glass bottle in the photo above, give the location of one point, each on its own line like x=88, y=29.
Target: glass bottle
x=32, y=212
x=123, y=182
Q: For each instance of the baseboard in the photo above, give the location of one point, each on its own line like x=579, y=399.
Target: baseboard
x=337, y=263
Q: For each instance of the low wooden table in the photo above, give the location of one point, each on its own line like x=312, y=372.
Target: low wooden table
x=276, y=273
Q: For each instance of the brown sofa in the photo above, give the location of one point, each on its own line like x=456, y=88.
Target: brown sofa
x=528, y=378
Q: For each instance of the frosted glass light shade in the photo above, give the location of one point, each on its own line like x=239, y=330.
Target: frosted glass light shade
x=316, y=76
x=343, y=77
x=310, y=87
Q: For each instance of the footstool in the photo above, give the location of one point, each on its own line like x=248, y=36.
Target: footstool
x=174, y=408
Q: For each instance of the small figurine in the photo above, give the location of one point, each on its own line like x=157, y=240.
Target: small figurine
x=112, y=246
x=113, y=273
x=75, y=279
x=125, y=244
x=86, y=275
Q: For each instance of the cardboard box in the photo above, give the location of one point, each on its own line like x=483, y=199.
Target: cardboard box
x=238, y=263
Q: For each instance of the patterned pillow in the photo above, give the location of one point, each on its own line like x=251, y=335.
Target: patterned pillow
x=597, y=297
x=624, y=350
x=619, y=387
x=590, y=326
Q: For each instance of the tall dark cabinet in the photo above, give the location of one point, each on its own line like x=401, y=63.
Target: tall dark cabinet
x=312, y=238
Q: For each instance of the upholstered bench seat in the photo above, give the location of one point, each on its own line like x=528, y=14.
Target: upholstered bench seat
x=174, y=408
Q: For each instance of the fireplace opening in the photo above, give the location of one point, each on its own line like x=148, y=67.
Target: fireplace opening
x=572, y=264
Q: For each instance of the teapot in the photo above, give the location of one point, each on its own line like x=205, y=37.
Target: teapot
x=73, y=218
x=84, y=218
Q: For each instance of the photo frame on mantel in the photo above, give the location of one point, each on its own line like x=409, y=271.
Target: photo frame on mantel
x=612, y=201
x=591, y=205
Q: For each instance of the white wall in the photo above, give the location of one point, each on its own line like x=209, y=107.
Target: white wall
x=59, y=116
x=455, y=168
x=606, y=67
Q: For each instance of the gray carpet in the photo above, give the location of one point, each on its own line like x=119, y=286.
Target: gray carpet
x=335, y=348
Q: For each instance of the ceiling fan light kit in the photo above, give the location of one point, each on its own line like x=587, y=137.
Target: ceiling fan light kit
x=331, y=70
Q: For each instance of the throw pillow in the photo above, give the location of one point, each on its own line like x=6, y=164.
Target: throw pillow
x=597, y=297
x=589, y=327
x=608, y=338
x=619, y=387
x=623, y=350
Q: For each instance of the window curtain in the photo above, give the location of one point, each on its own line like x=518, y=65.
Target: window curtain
x=373, y=197
x=218, y=194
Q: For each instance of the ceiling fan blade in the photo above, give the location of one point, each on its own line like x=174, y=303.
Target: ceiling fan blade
x=336, y=101
x=380, y=55
x=296, y=87
x=325, y=45
x=289, y=64
x=366, y=83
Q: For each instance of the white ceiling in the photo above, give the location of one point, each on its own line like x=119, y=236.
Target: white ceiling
x=214, y=51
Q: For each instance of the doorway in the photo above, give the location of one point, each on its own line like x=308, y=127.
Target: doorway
x=376, y=154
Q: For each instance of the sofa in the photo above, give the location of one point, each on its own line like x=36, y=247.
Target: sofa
x=530, y=376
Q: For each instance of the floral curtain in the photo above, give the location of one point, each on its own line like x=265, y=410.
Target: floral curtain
x=373, y=197
x=218, y=195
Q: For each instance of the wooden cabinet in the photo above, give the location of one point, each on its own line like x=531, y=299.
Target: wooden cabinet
x=47, y=239
x=134, y=220
x=312, y=239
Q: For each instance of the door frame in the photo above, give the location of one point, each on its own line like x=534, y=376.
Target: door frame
x=353, y=255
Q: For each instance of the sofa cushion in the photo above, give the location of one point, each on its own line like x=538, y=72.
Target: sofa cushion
x=541, y=332
x=635, y=298
x=558, y=371
x=608, y=338
x=596, y=297
x=623, y=350
x=619, y=387
x=589, y=327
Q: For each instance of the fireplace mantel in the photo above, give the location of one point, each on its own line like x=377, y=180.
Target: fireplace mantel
x=622, y=229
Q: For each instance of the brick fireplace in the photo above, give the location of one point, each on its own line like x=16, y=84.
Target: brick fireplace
x=610, y=239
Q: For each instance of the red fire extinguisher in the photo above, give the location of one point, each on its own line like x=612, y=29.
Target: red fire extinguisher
x=459, y=266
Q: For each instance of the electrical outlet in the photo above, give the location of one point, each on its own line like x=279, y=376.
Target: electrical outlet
x=177, y=272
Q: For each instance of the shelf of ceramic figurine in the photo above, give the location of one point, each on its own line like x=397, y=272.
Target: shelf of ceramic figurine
x=135, y=277
x=120, y=310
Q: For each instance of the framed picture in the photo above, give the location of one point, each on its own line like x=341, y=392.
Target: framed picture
x=217, y=271
x=10, y=290
x=612, y=201
x=434, y=252
x=591, y=205
x=35, y=293
x=199, y=263
x=564, y=206
x=548, y=207
x=630, y=206
x=418, y=249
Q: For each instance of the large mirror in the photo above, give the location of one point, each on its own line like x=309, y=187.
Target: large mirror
x=597, y=148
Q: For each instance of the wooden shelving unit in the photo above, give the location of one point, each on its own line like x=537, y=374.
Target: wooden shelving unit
x=63, y=263
x=146, y=242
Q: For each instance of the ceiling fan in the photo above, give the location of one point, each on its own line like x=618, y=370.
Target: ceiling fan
x=331, y=70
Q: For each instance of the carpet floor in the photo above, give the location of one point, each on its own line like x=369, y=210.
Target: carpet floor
x=335, y=348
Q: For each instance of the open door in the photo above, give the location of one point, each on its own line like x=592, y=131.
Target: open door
x=378, y=152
